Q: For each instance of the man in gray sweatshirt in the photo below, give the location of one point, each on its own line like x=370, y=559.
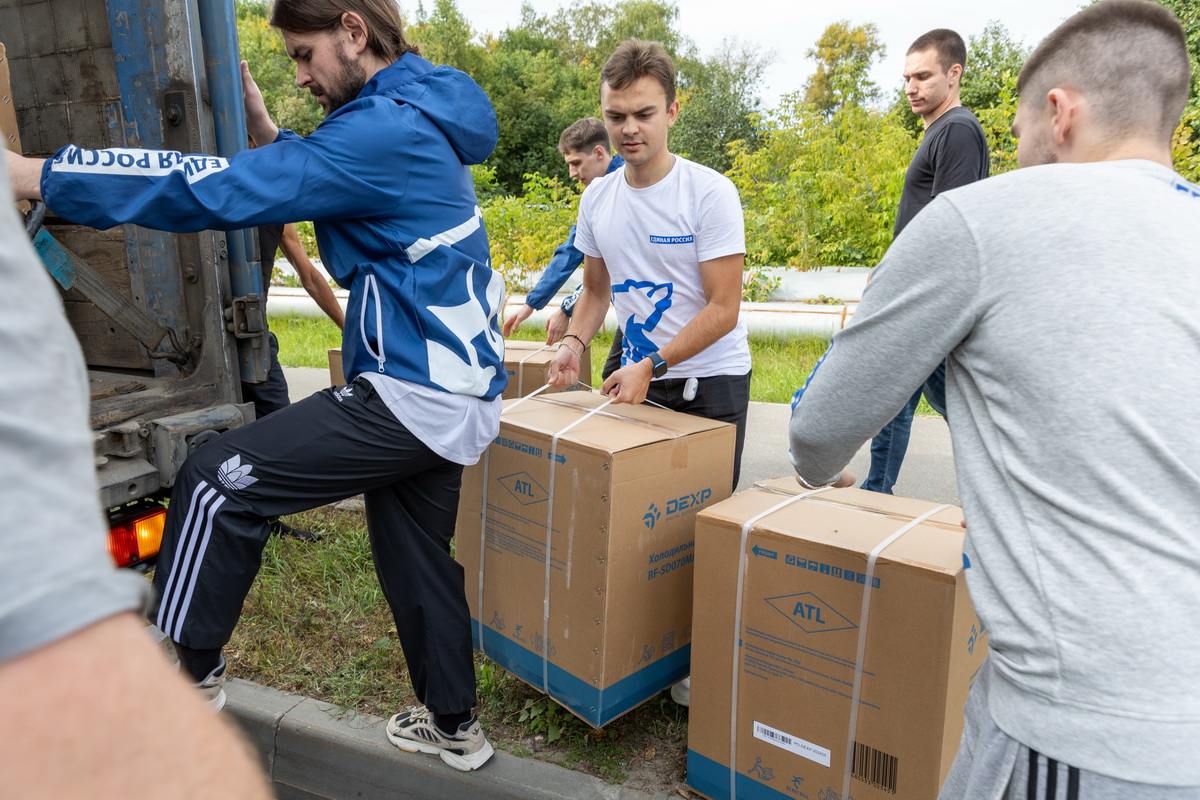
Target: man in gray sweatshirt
x=1063, y=299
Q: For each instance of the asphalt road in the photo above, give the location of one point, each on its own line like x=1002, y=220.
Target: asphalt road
x=927, y=474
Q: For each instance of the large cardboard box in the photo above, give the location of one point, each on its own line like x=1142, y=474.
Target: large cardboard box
x=597, y=611
x=527, y=364
x=797, y=647
x=336, y=376
x=528, y=367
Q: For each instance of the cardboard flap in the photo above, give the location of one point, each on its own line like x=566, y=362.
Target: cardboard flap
x=528, y=352
x=825, y=518
x=616, y=428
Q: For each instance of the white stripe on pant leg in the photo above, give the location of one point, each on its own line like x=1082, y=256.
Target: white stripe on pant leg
x=186, y=559
x=186, y=603
x=165, y=602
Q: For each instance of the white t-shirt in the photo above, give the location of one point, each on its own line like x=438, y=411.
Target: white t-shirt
x=458, y=427
x=652, y=240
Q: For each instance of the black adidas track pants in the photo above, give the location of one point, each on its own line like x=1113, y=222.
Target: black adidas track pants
x=337, y=443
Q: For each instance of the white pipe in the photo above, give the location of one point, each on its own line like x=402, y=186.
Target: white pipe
x=783, y=315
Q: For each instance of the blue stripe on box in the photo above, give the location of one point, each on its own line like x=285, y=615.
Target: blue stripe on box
x=712, y=780
x=595, y=705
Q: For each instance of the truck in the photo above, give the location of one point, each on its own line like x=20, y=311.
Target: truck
x=169, y=324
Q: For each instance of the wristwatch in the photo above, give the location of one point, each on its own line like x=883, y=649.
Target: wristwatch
x=660, y=364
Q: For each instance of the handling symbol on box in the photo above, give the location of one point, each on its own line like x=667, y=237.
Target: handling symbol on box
x=763, y=773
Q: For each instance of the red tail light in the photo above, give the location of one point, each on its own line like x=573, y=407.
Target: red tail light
x=136, y=539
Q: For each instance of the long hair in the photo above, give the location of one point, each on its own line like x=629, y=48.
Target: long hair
x=385, y=31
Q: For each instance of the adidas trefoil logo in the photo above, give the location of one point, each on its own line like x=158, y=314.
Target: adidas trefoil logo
x=343, y=392
x=234, y=476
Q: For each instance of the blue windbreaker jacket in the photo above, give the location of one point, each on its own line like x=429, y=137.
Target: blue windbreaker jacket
x=384, y=179
x=566, y=260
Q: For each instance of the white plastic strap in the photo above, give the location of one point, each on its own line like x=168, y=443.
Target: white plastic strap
x=737, y=629
x=549, y=536
x=521, y=368
x=487, y=453
x=483, y=512
x=534, y=393
x=862, y=639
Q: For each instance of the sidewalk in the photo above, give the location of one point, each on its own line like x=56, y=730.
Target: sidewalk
x=311, y=751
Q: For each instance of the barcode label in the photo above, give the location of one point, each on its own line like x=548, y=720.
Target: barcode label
x=793, y=744
x=875, y=767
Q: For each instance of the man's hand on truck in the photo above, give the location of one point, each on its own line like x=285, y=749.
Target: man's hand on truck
x=26, y=175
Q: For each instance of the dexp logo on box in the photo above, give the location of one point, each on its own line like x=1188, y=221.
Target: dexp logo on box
x=675, y=506
x=809, y=613
x=523, y=487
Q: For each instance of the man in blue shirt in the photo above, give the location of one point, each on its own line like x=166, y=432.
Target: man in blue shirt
x=585, y=147
x=385, y=180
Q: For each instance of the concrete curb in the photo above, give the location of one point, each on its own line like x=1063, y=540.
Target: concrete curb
x=310, y=750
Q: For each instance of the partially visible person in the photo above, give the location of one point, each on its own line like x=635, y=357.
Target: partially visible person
x=91, y=706
x=953, y=153
x=272, y=394
x=1082, y=553
x=585, y=147
x=385, y=179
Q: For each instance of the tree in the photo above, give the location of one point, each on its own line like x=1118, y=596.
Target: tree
x=1186, y=144
x=822, y=190
x=262, y=47
x=844, y=57
x=445, y=37
x=719, y=104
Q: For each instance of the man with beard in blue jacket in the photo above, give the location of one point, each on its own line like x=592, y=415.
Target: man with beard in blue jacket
x=384, y=178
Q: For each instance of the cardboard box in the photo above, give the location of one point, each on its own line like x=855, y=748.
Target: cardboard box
x=627, y=483
x=797, y=646
x=336, y=376
x=528, y=366
x=9, y=134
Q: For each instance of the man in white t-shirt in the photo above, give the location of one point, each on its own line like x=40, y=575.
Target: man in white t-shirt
x=664, y=238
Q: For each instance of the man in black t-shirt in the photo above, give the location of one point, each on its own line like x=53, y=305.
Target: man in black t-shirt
x=953, y=153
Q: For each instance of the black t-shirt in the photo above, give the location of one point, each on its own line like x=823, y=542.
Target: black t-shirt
x=268, y=243
x=953, y=153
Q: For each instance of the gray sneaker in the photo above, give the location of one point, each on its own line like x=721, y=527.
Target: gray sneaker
x=414, y=732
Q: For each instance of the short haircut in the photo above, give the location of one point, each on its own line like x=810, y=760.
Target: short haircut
x=385, y=31
x=950, y=47
x=1128, y=57
x=583, y=135
x=635, y=59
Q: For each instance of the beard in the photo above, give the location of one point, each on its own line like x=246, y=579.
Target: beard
x=346, y=84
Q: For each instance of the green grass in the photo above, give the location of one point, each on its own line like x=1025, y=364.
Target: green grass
x=780, y=365
x=316, y=624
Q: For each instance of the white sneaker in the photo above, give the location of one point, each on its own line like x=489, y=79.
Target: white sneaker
x=213, y=687
x=413, y=731
x=682, y=692
x=164, y=643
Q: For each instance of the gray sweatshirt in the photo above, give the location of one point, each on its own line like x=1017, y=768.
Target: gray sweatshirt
x=56, y=577
x=1065, y=300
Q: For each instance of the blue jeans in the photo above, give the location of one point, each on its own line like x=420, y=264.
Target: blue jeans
x=890, y=444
